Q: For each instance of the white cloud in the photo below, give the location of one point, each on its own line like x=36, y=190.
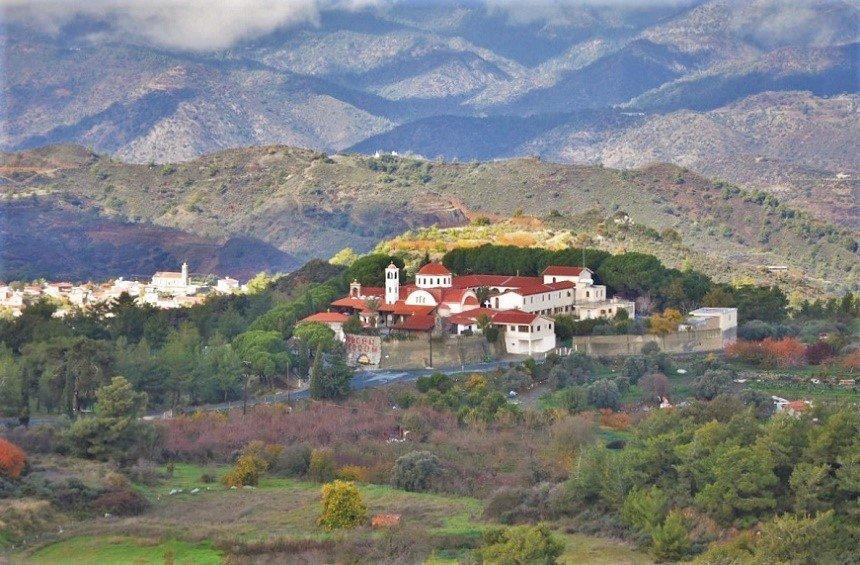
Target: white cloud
x=196, y=25
x=565, y=12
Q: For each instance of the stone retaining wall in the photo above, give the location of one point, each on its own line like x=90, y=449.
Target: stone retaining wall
x=679, y=342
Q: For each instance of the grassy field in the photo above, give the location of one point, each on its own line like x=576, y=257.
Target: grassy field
x=124, y=549
x=195, y=528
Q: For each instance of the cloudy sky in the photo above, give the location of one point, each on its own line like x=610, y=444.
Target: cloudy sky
x=207, y=25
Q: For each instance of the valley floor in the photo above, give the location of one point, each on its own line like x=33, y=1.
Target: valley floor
x=275, y=521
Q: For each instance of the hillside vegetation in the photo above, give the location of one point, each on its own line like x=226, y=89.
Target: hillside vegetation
x=308, y=204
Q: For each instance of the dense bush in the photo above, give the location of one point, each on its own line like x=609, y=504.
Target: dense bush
x=712, y=383
x=294, y=461
x=12, y=460
x=519, y=505
x=757, y=330
x=604, y=394
x=437, y=381
x=416, y=471
x=247, y=472
x=645, y=509
x=671, y=540
x=73, y=495
x=146, y=472
x=819, y=352
x=520, y=544
x=123, y=501
x=342, y=506
x=321, y=466
x=784, y=353
x=38, y=439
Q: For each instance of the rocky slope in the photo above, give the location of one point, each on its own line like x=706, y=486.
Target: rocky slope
x=465, y=80
x=307, y=204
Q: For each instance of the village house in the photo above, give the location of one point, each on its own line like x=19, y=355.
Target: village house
x=723, y=319
x=521, y=307
x=165, y=290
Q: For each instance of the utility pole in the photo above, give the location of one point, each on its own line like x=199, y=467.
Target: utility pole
x=247, y=371
x=430, y=343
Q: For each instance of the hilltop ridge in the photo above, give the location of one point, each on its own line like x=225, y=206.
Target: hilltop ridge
x=308, y=204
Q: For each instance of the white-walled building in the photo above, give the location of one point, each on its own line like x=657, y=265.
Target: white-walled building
x=724, y=319
x=524, y=333
x=170, y=281
x=227, y=285
x=334, y=320
x=604, y=308
x=521, y=307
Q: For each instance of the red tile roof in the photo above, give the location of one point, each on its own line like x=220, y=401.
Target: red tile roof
x=798, y=405
x=470, y=316
x=513, y=317
x=562, y=271
x=504, y=281
x=434, y=269
x=455, y=295
x=326, y=317
x=419, y=322
x=349, y=302
x=531, y=289
x=401, y=309
x=376, y=291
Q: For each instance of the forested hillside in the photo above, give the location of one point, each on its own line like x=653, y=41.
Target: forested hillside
x=307, y=204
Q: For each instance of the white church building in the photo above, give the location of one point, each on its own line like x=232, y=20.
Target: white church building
x=521, y=307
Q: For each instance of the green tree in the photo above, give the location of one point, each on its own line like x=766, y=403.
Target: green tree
x=369, y=270
x=329, y=378
x=743, y=486
x=671, y=540
x=316, y=336
x=222, y=369
x=264, y=353
x=114, y=432
x=633, y=273
x=259, y=283
x=719, y=296
x=794, y=539
x=760, y=303
x=645, y=509
x=812, y=487
x=179, y=360
x=66, y=370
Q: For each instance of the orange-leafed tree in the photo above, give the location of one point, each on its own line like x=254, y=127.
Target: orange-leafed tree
x=12, y=459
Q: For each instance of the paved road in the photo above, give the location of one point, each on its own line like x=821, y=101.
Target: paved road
x=361, y=380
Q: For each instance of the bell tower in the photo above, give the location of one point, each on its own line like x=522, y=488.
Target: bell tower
x=392, y=284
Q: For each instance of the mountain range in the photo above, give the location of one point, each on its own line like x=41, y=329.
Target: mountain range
x=761, y=93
